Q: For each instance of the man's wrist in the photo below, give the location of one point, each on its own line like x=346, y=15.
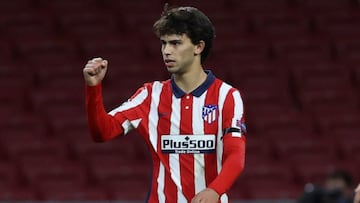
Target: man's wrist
x=214, y=190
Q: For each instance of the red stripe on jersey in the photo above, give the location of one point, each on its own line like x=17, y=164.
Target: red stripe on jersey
x=187, y=160
x=228, y=109
x=164, y=111
x=212, y=97
x=143, y=131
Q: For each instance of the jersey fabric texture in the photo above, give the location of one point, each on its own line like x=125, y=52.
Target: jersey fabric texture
x=184, y=132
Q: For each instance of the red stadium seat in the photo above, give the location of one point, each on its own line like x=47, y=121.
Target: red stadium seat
x=11, y=194
x=337, y=121
x=62, y=123
x=314, y=100
x=34, y=24
x=29, y=124
x=280, y=25
x=269, y=171
x=9, y=175
x=112, y=171
x=16, y=5
x=264, y=91
x=130, y=190
x=313, y=171
x=323, y=5
x=82, y=146
x=259, y=146
x=87, y=26
x=331, y=77
x=350, y=145
x=356, y=72
x=130, y=6
x=239, y=190
x=113, y=48
x=48, y=172
x=6, y=52
x=338, y=25
x=63, y=6
x=45, y=102
x=298, y=149
x=244, y=49
x=19, y=147
x=259, y=6
x=262, y=189
x=68, y=193
x=208, y=7
x=302, y=49
x=16, y=95
x=288, y=121
x=348, y=50
x=50, y=50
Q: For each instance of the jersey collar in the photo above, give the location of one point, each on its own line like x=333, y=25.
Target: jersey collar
x=198, y=91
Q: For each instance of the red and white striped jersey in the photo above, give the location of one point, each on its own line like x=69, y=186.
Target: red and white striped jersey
x=184, y=132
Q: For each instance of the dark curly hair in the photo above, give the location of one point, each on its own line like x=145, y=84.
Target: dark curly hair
x=187, y=20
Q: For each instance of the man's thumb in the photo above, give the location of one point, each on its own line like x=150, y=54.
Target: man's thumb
x=104, y=64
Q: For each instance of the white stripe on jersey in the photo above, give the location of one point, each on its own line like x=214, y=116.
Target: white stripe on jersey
x=224, y=90
x=198, y=129
x=153, y=135
x=174, y=158
x=224, y=198
x=136, y=101
x=238, y=112
x=161, y=183
x=153, y=114
x=130, y=125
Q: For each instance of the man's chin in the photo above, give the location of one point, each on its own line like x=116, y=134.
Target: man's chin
x=172, y=69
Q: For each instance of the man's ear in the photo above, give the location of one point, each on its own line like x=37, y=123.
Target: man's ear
x=199, y=47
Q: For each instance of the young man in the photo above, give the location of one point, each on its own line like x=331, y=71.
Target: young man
x=193, y=123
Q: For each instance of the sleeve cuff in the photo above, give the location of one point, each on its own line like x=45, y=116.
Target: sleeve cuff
x=93, y=91
x=216, y=189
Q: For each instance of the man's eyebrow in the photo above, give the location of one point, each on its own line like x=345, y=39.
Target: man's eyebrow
x=171, y=41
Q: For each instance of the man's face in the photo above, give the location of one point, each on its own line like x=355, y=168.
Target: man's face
x=178, y=52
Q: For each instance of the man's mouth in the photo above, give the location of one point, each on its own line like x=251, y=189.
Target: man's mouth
x=169, y=62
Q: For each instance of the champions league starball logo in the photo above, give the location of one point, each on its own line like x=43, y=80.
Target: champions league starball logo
x=210, y=113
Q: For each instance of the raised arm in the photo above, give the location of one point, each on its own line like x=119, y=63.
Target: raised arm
x=102, y=126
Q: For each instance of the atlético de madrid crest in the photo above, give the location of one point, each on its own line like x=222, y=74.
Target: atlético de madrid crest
x=210, y=113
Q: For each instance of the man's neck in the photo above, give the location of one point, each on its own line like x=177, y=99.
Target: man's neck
x=190, y=80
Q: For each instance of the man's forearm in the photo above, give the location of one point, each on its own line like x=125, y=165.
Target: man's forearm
x=233, y=165
x=102, y=126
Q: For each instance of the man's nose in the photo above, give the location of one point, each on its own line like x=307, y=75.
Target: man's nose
x=166, y=49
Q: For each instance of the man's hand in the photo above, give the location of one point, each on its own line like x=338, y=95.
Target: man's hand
x=206, y=196
x=94, y=71
x=357, y=194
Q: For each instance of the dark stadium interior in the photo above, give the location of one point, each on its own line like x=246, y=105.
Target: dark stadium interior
x=296, y=62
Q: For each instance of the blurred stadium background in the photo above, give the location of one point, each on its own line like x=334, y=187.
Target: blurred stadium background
x=297, y=63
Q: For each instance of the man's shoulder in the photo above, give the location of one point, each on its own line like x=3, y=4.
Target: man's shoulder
x=156, y=83
x=225, y=84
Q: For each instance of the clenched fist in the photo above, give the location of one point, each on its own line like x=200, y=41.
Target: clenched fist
x=94, y=71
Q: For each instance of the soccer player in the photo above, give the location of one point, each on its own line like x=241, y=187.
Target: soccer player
x=193, y=123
